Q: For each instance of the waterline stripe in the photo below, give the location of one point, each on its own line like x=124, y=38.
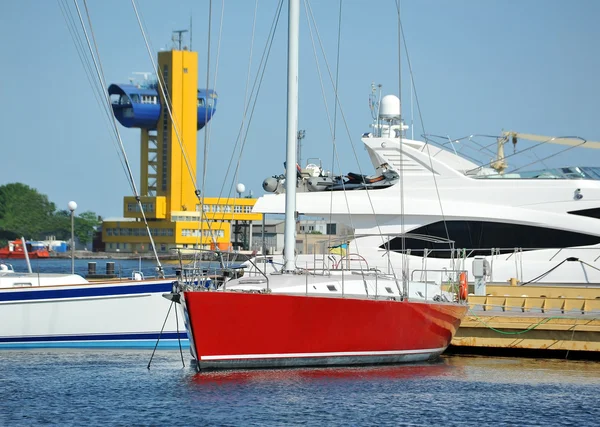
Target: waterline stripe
x=39, y=293
x=328, y=354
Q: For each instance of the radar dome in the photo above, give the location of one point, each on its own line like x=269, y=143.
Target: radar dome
x=390, y=107
x=270, y=185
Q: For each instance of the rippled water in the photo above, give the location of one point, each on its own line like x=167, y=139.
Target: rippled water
x=115, y=388
x=123, y=267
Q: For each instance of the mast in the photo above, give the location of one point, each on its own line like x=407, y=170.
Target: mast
x=292, y=129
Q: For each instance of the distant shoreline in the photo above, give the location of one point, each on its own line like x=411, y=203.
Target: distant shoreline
x=126, y=255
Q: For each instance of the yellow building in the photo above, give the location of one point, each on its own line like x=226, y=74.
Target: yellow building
x=168, y=165
x=183, y=229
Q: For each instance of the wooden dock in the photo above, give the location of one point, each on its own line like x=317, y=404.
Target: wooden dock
x=536, y=318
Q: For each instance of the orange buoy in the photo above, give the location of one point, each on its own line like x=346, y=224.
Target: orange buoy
x=463, y=286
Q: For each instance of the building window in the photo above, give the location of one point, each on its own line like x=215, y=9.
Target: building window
x=237, y=209
x=247, y=209
x=331, y=229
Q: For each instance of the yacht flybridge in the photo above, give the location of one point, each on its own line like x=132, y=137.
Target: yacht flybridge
x=530, y=224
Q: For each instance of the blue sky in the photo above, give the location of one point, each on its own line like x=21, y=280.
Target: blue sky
x=479, y=67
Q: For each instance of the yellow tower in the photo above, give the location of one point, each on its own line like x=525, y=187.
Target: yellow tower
x=168, y=163
x=177, y=163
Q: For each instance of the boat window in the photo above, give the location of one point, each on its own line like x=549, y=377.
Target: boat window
x=332, y=288
x=200, y=102
x=22, y=284
x=592, y=213
x=478, y=237
x=389, y=290
x=135, y=98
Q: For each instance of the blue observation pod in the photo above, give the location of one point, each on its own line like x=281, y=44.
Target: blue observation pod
x=135, y=107
x=207, y=106
x=140, y=106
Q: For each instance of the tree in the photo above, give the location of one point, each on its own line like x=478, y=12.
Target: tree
x=24, y=211
x=85, y=224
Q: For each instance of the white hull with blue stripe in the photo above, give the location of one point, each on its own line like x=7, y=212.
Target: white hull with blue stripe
x=118, y=314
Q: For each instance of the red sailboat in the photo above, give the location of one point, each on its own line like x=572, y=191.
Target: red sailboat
x=301, y=317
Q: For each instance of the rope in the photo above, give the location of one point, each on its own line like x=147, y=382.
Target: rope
x=541, y=276
x=178, y=337
x=160, y=334
x=532, y=327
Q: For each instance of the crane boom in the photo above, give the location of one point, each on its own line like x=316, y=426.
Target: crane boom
x=561, y=140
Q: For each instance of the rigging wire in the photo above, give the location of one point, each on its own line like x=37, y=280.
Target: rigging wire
x=335, y=108
x=251, y=105
x=161, y=332
x=208, y=131
x=206, y=109
x=412, y=82
x=401, y=171
x=161, y=86
x=85, y=62
x=342, y=115
x=101, y=79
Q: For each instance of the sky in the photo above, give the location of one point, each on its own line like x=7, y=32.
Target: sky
x=479, y=66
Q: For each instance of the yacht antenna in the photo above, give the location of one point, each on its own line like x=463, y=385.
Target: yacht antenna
x=178, y=37
x=301, y=135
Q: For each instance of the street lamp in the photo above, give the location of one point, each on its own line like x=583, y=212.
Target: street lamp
x=240, y=188
x=72, y=206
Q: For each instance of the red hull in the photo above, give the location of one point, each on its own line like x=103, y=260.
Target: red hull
x=6, y=254
x=235, y=329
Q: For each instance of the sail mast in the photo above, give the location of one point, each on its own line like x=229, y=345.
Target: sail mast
x=292, y=127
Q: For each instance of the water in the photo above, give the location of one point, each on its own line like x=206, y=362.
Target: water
x=115, y=388
x=93, y=387
x=123, y=267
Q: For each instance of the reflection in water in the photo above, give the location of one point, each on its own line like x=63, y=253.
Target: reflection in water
x=364, y=373
x=527, y=371
x=70, y=387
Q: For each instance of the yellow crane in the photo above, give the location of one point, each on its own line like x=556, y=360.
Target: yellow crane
x=499, y=164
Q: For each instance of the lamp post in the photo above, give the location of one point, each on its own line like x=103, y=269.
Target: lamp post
x=72, y=206
x=240, y=188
